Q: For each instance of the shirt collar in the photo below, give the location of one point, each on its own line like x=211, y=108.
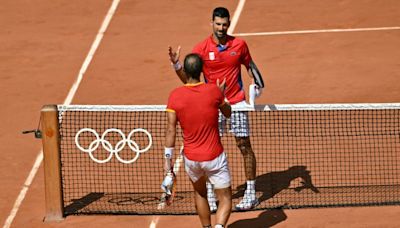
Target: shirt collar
x=194, y=84
x=228, y=41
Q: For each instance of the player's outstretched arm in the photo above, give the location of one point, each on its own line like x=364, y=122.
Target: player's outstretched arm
x=174, y=58
x=170, y=140
x=168, y=182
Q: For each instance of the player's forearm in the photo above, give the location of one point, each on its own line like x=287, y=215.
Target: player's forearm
x=170, y=131
x=170, y=137
x=226, y=109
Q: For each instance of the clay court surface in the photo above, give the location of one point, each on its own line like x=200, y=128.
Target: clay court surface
x=44, y=44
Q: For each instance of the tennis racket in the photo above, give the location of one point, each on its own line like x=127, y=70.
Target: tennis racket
x=167, y=197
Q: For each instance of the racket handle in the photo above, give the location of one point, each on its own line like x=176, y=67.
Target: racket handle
x=252, y=94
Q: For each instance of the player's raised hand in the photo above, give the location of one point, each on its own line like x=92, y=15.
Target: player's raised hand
x=221, y=85
x=174, y=55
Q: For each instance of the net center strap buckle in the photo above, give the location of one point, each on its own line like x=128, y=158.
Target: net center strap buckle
x=37, y=132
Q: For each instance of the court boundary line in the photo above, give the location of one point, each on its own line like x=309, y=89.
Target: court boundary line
x=317, y=31
x=67, y=101
x=235, y=17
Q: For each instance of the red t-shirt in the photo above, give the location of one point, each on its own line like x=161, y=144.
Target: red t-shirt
x=196, y=107
x=225, y=64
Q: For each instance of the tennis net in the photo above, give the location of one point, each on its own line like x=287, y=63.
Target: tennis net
x=330, y=155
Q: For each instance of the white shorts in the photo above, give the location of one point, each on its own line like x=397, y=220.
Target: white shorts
x=238, y=123
x=216, y=170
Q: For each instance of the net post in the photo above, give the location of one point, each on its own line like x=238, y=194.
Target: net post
x=52, y=163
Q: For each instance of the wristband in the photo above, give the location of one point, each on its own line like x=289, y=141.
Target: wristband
x=177, y=66
x=168, y=152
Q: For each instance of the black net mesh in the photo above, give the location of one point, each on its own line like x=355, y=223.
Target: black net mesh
x=305, y=158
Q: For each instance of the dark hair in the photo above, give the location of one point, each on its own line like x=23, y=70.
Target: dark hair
x=193, y=65
x=220, y=12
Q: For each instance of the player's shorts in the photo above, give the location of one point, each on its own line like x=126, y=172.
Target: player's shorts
x=238, y=123
x=216, y=170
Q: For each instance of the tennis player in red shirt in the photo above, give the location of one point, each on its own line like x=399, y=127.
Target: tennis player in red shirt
x=195, y=105
x=223, y=56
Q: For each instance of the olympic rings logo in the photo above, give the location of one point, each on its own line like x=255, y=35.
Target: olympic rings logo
x=119, y=146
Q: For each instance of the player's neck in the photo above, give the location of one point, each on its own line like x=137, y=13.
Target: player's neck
x=221, y=40
x=192, y=81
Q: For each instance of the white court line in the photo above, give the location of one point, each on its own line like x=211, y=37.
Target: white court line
x=24, y=189
x=316, y=31
x=154, y=222
x=67, y=101
x=235, y=17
